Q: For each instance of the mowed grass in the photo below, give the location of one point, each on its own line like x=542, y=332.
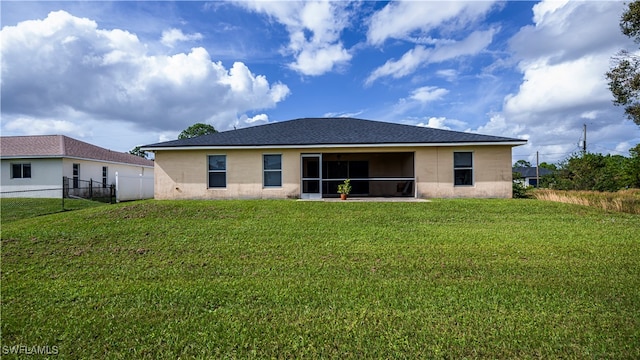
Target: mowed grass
x=12, y=209
x=289, y=279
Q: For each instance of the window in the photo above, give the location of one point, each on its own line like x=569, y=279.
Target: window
x=76, y=175
x=105, y=177
x=463, y=168
x=20, y=171
x=272, y=165
x=217, y=171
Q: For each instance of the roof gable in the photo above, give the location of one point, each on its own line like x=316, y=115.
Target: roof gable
x=63, y=146
x=332, y=131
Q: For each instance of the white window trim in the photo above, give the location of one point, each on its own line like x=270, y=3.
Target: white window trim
x=226, y=178
x=22, y=164
x=271, y=170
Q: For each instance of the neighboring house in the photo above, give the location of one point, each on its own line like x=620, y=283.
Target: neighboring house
x=34, y=166
x=529, y=175
x=308, y=158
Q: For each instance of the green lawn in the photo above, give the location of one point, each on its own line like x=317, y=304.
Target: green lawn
x=288, y=279
x=12, y=209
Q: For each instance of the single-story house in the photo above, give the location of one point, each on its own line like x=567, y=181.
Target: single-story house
x=307, y=158
x=529, y=175
x=34, y=166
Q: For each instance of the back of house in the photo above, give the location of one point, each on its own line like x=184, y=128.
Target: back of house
x=308, y=158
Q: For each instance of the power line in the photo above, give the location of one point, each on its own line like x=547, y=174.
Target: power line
x=565, y=153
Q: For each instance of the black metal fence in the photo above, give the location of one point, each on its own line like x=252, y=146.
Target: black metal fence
x=19, y=204
x=74, y=188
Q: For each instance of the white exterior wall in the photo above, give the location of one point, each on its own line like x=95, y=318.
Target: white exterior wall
x=91, y=169
x=48, y=173
x=134, y=182
x=45, y=181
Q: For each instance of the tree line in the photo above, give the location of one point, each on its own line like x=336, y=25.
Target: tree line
x=591, y=171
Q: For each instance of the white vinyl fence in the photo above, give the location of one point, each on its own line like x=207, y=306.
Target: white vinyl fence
x=130, y=187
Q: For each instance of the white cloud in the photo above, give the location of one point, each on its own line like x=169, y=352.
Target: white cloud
x=407, y=64
x=36, y=126
x=314, y=32
x=64, y=65
x=545, y=9
x=565, y=31
x=420, y=55
x=564, y=73
x=317, y=61
x=260, y=118
x=472, y=45
x=498, y=125
x=442, y=123
x=448, y=74
x=114, y=135
x=419, y=98
x=172, y=36
x=623, y=148
x=436, y=122
x=563, y=58
x=399, y=19
x=591, y=115
x=344, y=114
x=575, y=84
x=428, y=93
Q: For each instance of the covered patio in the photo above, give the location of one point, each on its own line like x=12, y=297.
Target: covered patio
x=373, y=175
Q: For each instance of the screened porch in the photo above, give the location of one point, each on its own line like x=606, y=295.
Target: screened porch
x=372, y=174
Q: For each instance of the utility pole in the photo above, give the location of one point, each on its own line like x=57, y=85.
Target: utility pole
x=584, y=139
x=537, y=169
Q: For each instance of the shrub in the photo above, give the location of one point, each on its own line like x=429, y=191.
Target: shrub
x=520, y=190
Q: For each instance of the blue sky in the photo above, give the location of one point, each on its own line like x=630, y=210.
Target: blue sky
x=121, y=74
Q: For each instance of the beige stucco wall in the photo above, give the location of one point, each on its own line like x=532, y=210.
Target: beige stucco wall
x=491, y=172
x=182, y=174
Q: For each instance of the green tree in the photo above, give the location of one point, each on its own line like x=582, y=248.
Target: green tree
x=138, y=152
x=522, y=163
x=545, y=165
x=197, y=129
x=624, y=76
x=632, y=168
x=549, y=180
x=612, y=177
x=518, y=188
x=591, y=172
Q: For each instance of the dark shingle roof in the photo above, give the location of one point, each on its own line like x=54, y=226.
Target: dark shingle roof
x=63, y=146
x=331, y=131
x=530, y=171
